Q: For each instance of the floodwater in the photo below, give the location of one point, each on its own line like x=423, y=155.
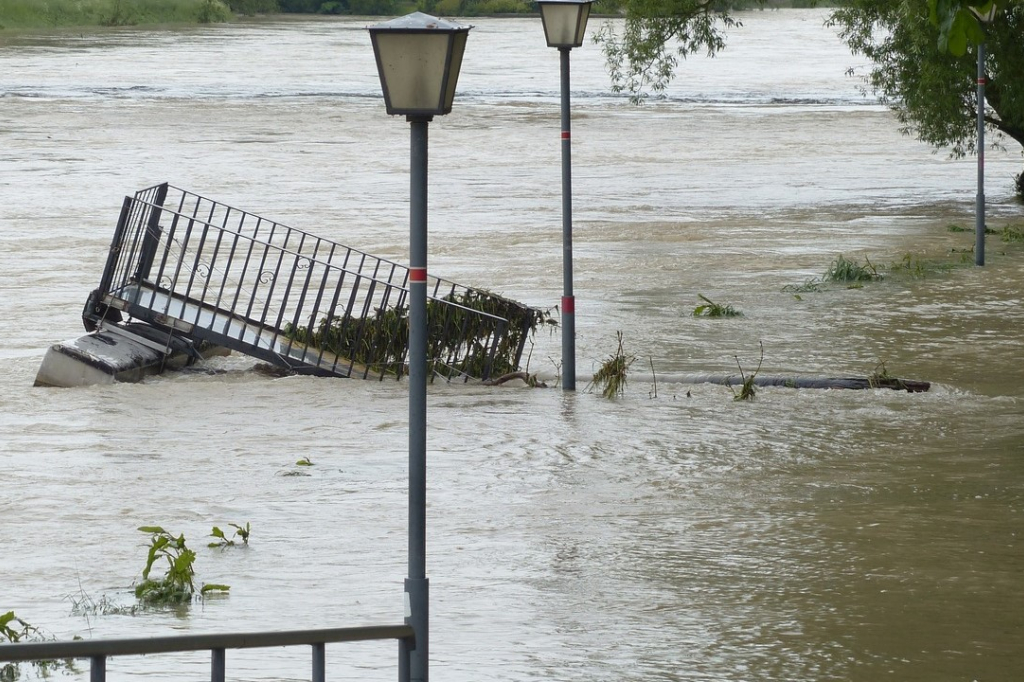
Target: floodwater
x=671, y=534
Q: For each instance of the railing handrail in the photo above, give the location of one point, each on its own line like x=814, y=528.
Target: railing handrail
x=36, y=651
x=297, y=255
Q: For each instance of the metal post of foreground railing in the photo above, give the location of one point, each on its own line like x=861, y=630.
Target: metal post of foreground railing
x=319, y=662
x=98, y=669
x=218, y=661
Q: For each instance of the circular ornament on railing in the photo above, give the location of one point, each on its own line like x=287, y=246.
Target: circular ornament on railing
x=266, y=277
x=203, y=270
x=303, y=263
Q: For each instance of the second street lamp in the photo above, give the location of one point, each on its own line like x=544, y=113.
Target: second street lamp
x=418, y=61
x=565, y=25
x=984, y=18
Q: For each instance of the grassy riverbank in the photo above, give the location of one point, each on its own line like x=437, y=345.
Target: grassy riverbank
x=16, y=14
x=32, y=14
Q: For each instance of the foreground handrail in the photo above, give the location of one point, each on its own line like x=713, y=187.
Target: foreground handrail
x=98, y=650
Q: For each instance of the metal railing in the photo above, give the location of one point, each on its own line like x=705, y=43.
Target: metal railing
x=211, y=272
x=217, y=644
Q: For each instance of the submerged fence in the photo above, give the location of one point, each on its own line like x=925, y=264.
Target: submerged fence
x=211, y=272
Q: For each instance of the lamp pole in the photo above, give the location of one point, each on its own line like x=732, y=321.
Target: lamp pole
x=568, y=298
x=565, y=25
x=979, y=207
x=984, y=18
x=418, y=61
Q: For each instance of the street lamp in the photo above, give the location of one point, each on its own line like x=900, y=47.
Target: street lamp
x=418, y=61
x=984, y=18
x=565, y=24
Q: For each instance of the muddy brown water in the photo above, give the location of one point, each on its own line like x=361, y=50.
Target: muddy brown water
x=672, y=534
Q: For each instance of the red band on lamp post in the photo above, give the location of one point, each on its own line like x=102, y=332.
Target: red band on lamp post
x=418, y=275
x=565, y=135
x=568, y=305
x=982, y=81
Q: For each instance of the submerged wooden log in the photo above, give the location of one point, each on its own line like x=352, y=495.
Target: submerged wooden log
x=909, y=385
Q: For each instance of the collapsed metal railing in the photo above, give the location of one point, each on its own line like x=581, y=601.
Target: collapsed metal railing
x=210, y=272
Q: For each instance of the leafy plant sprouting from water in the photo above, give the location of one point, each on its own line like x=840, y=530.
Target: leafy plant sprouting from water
x=711, y=309
x=611, y=377
x=747, y=390
x=14, y=630
x=241, y=533
x=177, y=586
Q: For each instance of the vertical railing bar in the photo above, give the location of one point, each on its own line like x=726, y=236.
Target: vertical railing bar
x=208, y=225
x=181, y=262
x=273, y=283
x=319, y=662
x=98, y=668
x=259, y=273
x=218, y=663
x=367, y=304
x=167, y=249
x=138, y=232
x=288, y=288
x=107, y=278
x=330, y=317
x=151, y=235
x=199, y=250
x=226, y=269
x=245, y=265
x=196, y=264
x=305, y=288
x=328, y=268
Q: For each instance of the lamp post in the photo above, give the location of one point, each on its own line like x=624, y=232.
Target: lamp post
x=984, y=18
x=565, y=24
x=418, y=61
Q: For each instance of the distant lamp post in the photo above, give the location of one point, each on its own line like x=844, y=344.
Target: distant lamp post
x=418, y=61
x=984, y=18
x=565, y=25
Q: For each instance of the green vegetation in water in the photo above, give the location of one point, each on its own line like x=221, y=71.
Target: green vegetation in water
x=241, y=533
x=177, y=586
x=747, y=389
x=472, y=334
x=845, y=271
x=711, y=309
x=611, y=377
x=1013, y=233
x=917, y=267
x=304, y=462
x=14, y=630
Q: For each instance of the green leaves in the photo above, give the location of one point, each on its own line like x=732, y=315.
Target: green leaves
x=958, y=23
x=641, y=61
x=241, y=532
x=711, y=309
x=177, y=586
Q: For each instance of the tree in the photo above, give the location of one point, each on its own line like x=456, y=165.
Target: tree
x=912, y=46
x=931, y=89
x=656, y=34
